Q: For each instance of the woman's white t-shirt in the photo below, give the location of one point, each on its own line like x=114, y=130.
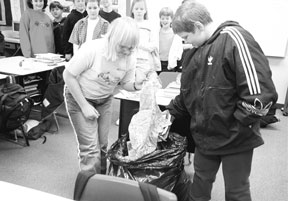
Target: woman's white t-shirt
x=97, y=76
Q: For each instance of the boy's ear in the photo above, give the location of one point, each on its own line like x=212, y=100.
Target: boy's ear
x=199, y=25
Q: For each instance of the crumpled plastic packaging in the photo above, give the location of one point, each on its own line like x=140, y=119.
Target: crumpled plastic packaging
x=149, y=125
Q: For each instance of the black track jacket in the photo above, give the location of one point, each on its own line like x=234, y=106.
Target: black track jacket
x=226, y=87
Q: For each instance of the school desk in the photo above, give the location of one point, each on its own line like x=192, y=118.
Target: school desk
x=12, y=47
x=15, y=192
x=20, y=66
x=24, y=69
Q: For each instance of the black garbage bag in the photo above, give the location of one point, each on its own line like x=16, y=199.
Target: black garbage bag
x=183, y=188
x=161, y=168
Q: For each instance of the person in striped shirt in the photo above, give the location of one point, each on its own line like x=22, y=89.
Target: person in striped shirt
x=226, y=87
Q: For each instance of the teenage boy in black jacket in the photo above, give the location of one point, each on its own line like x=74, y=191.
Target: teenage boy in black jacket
x=226, y=87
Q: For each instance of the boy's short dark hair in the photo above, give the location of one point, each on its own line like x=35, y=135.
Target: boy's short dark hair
x=55, y=4
x=166, y=11
x=97, y=1
x=30, y=5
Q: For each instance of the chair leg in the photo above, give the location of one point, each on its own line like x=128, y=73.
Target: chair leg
x=25, y=136
x=15, y=139
x=56, y=121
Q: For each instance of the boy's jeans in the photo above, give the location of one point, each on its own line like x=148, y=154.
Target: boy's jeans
x=236, y=171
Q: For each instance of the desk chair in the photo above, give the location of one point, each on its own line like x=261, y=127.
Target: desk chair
x=17, y=136
x=109, y=188
x=54, y=96
x=168, y=77
x=60, y=112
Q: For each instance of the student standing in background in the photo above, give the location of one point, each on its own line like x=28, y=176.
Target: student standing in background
x=148, y=43
x=177, y=53
x=226, y=87
x=89, y=28
x=36, y=30
x=107, y=12
x=56, y=10
x=91, y=77
x=166, y=37
x=76, y=14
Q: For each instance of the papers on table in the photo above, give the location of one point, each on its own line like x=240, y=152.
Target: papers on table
x=49, y=58
x=163, y=96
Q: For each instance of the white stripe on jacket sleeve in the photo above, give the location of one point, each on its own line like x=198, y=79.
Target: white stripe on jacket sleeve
x=246, y=59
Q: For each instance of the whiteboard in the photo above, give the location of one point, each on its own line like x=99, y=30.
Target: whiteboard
x=266, y=20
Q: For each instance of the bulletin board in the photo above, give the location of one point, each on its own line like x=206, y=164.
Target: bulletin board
x=265, y=19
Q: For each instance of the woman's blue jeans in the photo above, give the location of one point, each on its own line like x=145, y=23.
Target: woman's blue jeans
x=92, y=135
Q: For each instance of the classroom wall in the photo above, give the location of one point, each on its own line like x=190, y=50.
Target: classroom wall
x=279, y=68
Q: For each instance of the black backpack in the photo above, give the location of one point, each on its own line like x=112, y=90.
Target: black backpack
x=15, y=106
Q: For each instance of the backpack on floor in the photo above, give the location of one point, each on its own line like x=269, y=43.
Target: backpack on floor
x=15, y=106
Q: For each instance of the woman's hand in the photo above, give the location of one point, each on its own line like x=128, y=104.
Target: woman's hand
x=90, y=112
x=68, y=57
x=170, y=68
x=140, y=76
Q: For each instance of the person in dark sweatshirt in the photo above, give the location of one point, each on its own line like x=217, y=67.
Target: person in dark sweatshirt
x=107, y=12
x=76, y=14
x=56, y=10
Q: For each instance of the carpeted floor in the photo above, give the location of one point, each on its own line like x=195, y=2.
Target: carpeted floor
x=52, y=167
